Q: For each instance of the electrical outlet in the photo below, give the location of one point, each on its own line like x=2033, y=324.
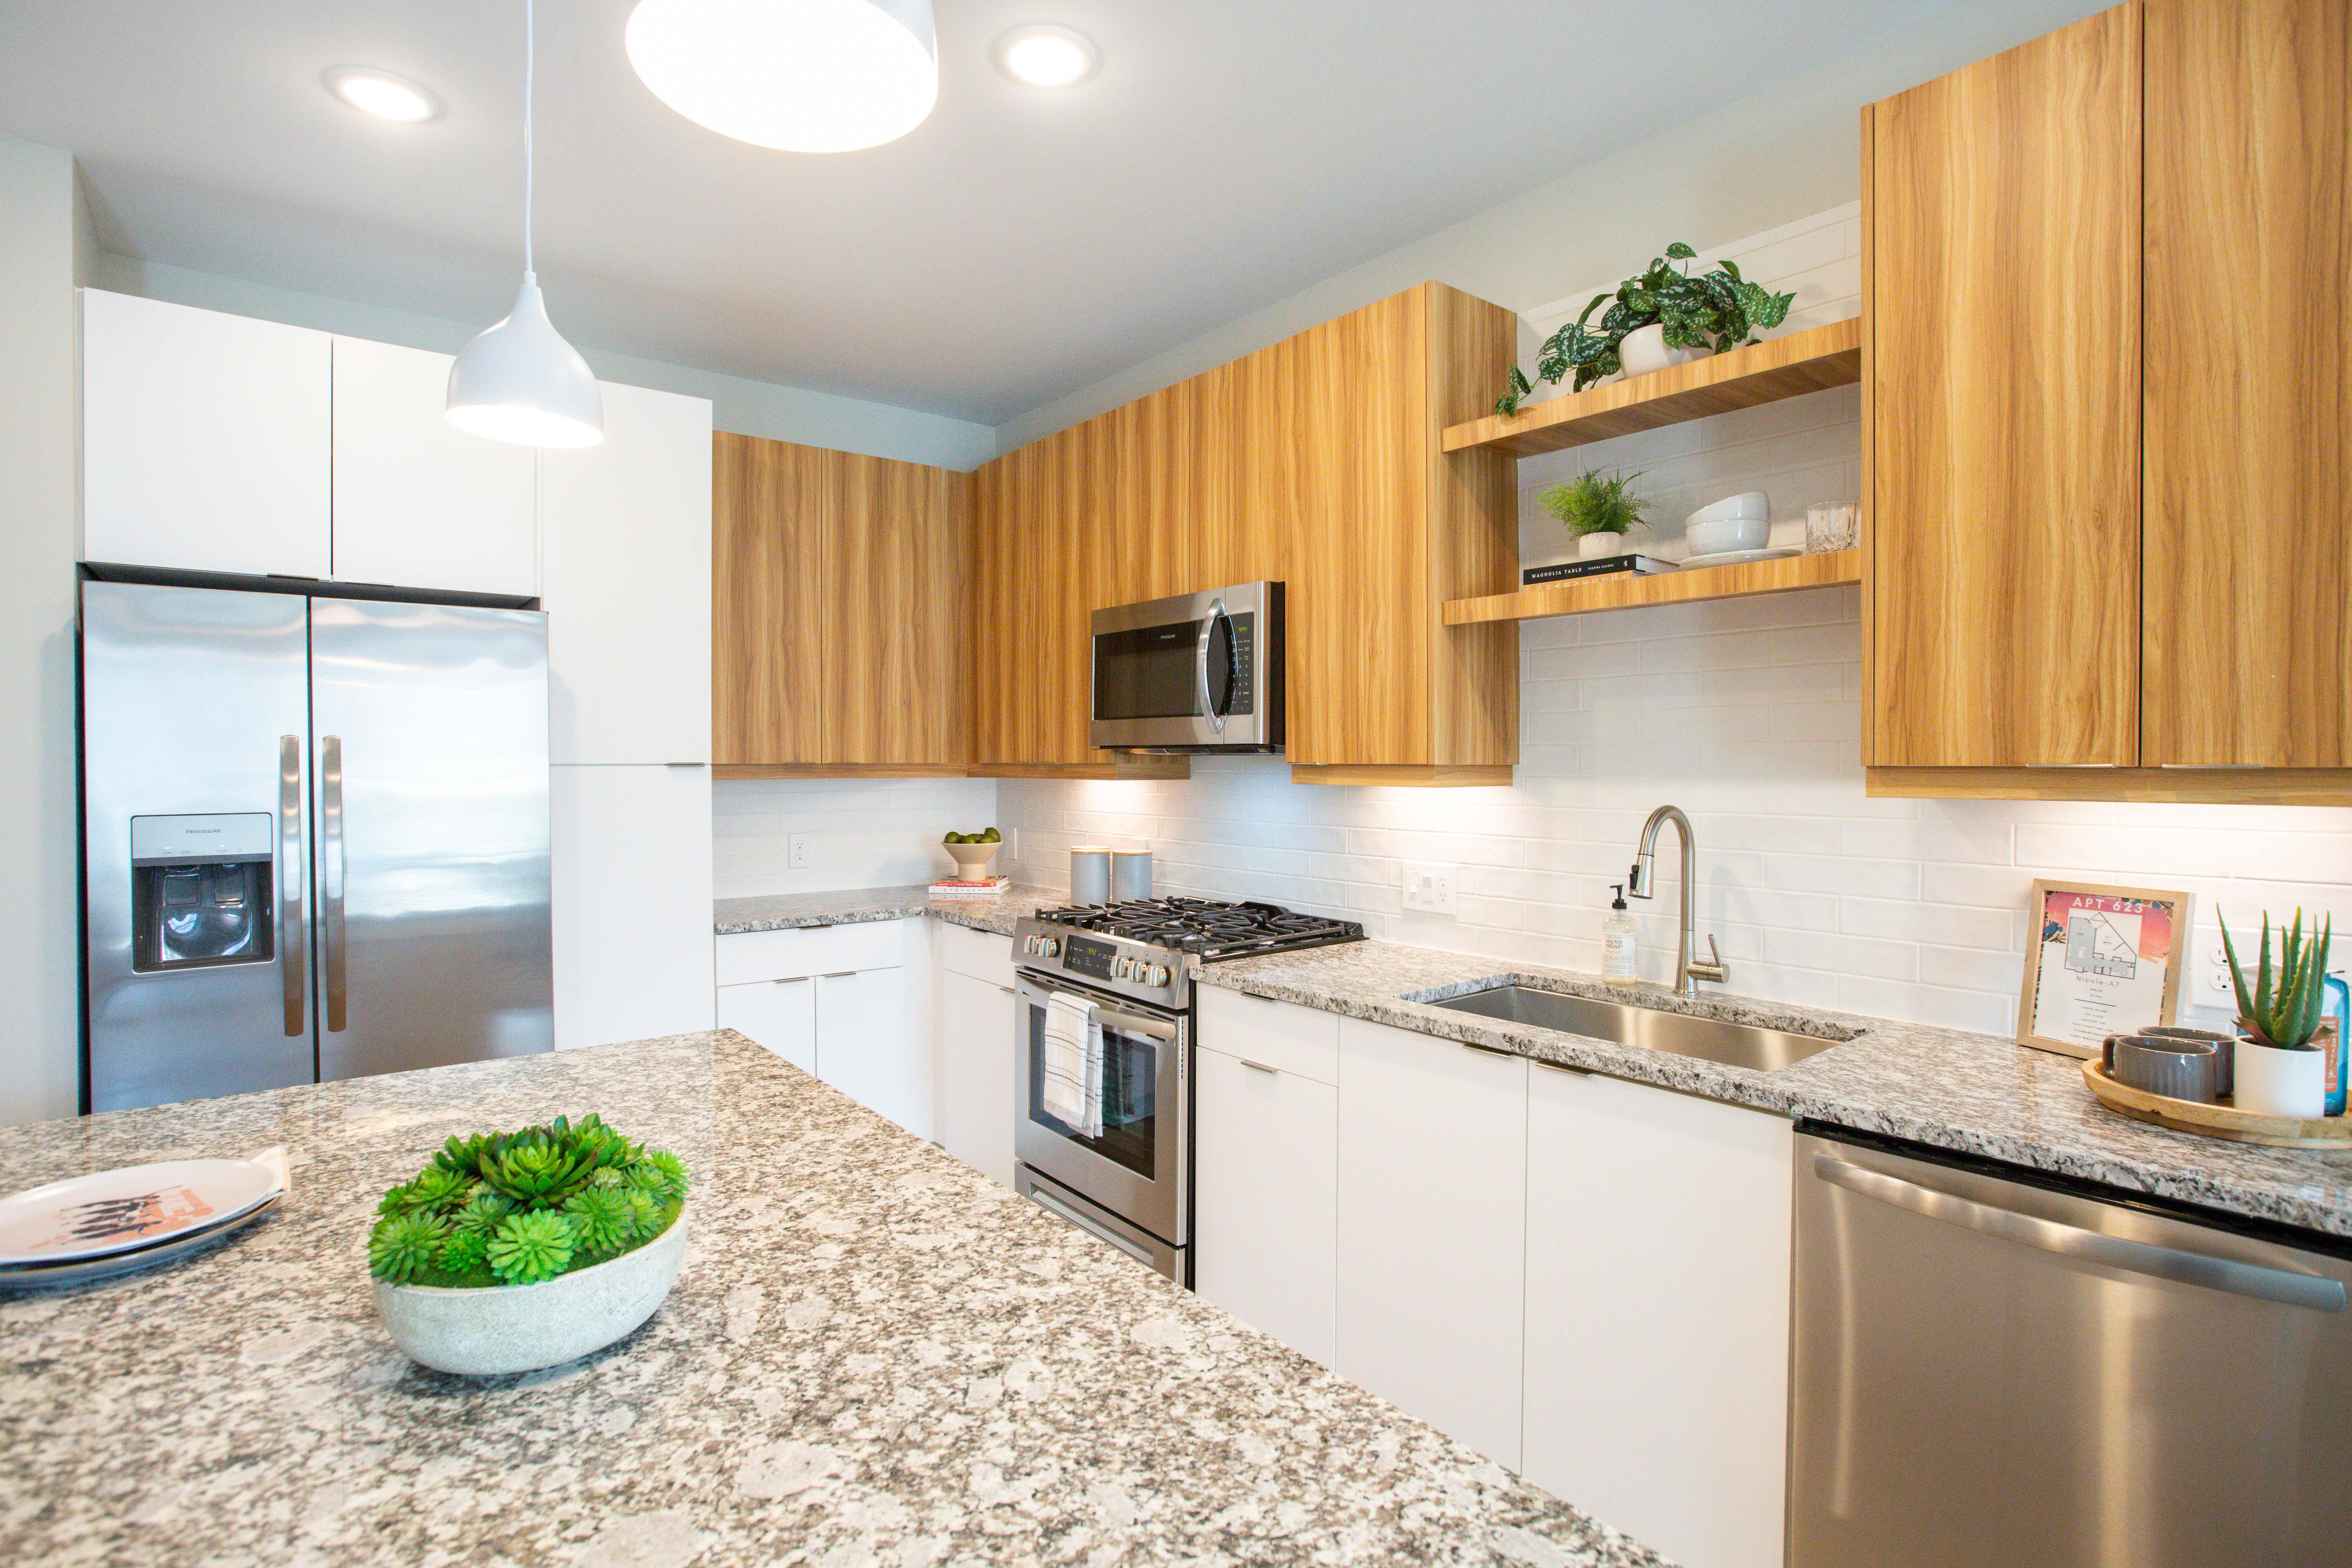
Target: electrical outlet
x=1428, y=886
x=796, y=850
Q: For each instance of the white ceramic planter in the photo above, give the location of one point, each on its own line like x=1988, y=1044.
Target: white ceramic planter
x=1645, y=350
x=521, y=1328
x=1600, y=546
x=2273, y=1082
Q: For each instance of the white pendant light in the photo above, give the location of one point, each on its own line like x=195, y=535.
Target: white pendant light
x=519, y=381
x=804, y=76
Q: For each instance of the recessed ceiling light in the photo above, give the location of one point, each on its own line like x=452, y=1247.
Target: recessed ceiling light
x=1042, y=55
x=803, y=75
x=382, y=94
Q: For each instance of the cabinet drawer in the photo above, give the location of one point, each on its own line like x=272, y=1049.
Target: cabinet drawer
x=821, y=949
x=1279, y=1034
x=983, y=955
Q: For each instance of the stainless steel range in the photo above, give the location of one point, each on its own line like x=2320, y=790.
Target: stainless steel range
x=1127, y=971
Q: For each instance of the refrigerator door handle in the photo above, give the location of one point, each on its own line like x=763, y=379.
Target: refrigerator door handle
x=2241, y=1278
x=332, y=947
x=292, y=955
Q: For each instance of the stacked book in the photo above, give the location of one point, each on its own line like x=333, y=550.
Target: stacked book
x=952, y=888
x=1568, y=571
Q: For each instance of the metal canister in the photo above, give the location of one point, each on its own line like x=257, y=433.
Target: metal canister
x=1090, y=875
x=1130, y=875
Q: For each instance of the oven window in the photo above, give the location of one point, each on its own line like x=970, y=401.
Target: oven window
x=1151, y=672
x=1130, y=1085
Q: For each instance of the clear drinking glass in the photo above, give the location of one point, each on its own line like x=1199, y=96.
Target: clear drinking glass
x=1836, y=525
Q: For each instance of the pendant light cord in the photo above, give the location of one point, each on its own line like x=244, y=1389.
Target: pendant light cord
x=530, y=50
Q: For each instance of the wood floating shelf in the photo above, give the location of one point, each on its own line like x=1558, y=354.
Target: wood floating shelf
x=1811, y=361
x=1623, y=590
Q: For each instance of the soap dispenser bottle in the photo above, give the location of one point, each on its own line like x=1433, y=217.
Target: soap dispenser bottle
x=1617, y=931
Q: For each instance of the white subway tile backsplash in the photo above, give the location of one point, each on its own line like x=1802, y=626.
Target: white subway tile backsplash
x=865, y=833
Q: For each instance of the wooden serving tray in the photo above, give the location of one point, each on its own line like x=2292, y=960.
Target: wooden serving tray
x=2219, y=1120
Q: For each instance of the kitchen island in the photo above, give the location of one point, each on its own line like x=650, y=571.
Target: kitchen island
x=873, y=1355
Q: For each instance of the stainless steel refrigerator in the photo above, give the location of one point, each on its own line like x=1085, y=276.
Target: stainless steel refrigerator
x=315, y=839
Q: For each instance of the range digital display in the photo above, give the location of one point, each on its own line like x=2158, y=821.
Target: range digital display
x=1088, y=955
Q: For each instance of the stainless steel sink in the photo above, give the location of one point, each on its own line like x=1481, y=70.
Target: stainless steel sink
x=1710, y=1039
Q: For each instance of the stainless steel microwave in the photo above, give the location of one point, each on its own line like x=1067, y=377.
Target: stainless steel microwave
x=1200, y=672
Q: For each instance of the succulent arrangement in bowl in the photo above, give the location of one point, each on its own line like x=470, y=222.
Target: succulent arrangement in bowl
x=516, y=1250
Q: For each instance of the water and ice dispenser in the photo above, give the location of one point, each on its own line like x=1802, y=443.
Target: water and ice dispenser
x=200, y=890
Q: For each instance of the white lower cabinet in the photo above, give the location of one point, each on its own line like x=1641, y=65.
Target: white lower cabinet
x=1432, y=1226
x=1265, y=1196
x=869, y=1048
x=778, y=1013
x=1657, y=1311
x=630, y=876
x=976, y=1073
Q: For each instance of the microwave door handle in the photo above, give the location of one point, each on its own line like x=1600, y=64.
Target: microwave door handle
x=293, y=960
x=1209, y=707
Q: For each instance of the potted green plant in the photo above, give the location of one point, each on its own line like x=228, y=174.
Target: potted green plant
x=1599, y=512
x=1659, y=319
x=2283, y=1043
x=513, y=1252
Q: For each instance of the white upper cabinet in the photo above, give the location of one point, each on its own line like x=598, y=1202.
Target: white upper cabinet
x=418, y=502
x=205, y=440
x=627, y=584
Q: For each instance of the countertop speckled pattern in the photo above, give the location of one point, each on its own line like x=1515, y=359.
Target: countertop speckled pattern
x=874, y=1356
x=797, y=912
x=1976, y=1094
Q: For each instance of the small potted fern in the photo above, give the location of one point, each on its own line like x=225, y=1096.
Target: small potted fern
x=512, y=1251
x=1598, y=513
x=2285, y=1048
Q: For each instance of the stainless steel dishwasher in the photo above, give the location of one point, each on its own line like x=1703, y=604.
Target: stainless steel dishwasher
x=1993, y=1368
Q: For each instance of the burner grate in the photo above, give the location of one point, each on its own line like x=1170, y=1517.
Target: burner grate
x=1208, y=927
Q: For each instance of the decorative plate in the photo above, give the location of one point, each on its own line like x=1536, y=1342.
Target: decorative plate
x=34, y=1276
x=137, y=1206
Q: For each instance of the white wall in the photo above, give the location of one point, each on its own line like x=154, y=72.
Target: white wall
x=864, y=833
x=744, y=407
x=43, y=232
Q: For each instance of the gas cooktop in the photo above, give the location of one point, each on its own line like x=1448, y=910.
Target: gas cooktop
x=1208, y=929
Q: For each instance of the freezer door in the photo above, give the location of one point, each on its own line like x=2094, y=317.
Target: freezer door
x=430, y=751
x=1988, y=1372
x=195, y=728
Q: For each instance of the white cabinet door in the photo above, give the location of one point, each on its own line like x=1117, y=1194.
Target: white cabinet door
x=1432, y=1226
x=778, y=1013
x=627, y=584
x=205, y=440
x=867, y=1045
x=976, y=1078
x=1264, y=1198
x=418, y=502
x=631, y=879
x=1658, y=1238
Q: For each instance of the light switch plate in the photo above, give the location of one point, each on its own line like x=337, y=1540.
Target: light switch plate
x=796, y=851
x=1428, y=886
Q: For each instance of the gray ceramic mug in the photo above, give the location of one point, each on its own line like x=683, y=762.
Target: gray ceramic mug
x=2225, y=1050
x=2158, y=1063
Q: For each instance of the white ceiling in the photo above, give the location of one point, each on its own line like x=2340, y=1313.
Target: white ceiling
x=1017, y=246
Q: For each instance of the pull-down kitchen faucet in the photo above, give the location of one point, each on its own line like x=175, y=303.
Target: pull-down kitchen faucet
x=1641, y=883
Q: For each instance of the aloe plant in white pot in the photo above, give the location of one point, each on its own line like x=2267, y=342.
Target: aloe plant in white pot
x=2285, y=1043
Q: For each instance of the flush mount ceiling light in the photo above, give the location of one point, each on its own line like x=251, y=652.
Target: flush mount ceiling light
x=803, y=75
x=519, y=381
x=382, y=94
x=1042, y=55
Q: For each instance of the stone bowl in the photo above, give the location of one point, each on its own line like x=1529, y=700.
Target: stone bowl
x=971, y=859
x=522, y=1328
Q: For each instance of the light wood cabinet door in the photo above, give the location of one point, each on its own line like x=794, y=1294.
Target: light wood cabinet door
x=1658, y=1237
x=2004, y=305
x=2248, y=556
x=840, y=606
x=1432, y=1230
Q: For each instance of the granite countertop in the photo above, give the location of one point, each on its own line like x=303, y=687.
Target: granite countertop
x=1973, y=1093
x=798, y=912
x=874, y=1356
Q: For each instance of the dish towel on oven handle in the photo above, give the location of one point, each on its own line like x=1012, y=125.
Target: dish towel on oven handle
x=1074, y=1064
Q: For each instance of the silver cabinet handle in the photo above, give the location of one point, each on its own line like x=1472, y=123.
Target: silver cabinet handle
x=2258, y=1281
x=1259, y=1065
x=333, y=945
x=293, y=957
x=839, y=974
x=1485, y=1050
x=791, y=980
x=1567, y=1068
x=1007, y=989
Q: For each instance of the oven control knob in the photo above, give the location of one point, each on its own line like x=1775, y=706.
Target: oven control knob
x=1121, y=968
x=1028, y=944
x=1049, y=946
x=1159, y=975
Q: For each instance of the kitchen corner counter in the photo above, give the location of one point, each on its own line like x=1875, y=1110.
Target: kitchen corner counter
x=850, y=906
x=873, y=1355
x=1970, y=1093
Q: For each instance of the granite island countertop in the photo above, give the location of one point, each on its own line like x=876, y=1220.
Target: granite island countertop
x=874, y=1356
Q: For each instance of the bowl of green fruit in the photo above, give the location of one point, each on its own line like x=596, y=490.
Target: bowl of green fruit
x=972, y=852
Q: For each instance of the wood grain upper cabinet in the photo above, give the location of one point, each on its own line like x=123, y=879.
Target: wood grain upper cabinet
x=2003, y=279
x=2247, y=554
x=840, y=599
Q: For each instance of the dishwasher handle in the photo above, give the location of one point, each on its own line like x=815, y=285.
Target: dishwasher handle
x=2256, y=1279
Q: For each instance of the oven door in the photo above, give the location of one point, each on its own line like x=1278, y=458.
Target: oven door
x=1200, y=672
x=1139, y=1169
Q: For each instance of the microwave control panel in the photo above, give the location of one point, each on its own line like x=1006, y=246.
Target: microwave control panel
x=1244, y=665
